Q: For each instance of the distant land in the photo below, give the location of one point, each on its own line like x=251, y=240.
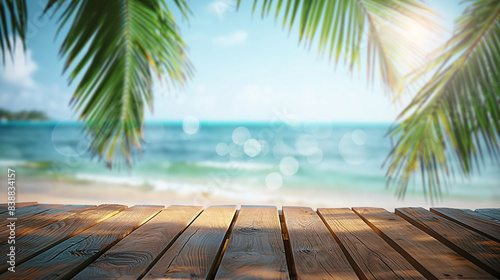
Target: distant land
x=6, y=115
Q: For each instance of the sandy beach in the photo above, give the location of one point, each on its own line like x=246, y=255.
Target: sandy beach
x=63, y=192
x=195, y=170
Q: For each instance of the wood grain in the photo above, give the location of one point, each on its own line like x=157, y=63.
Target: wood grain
x=27, y=225
x=107, y=242
x=481, y=216
x=132, y=256
x=485, y=227
x=27, y=211
x=69, y=257
x=255, y=248
x=475, y=247
x=36, y=242
x=491, y=212
x=4, y=207
x=196, y=250
x=315, y=252
x=432, y=258
x=371, y=256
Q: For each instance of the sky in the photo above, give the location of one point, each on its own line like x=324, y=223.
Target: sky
x=247, y=69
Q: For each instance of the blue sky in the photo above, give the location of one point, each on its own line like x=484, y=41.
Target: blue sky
x=247, y=69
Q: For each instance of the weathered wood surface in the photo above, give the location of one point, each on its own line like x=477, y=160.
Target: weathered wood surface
x=431, y=257
x=370, y=255
x=315, y=252
x=480, y=215
x=67, y=258
x=27, y=211
x=255, y=248
x=187, y=242
x=485, y=227
x=38, y=241
x=24, y=226
x=490, y=212
x=4, y=207
x=477, y=248
x=194, y=254
x=133, y=255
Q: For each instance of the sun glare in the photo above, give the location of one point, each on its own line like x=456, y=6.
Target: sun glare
x=422, y=36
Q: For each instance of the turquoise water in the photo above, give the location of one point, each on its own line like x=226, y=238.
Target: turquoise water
x=227, y=155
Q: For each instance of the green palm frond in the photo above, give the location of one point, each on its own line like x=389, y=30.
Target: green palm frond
x=113, y=47
x=454, y=119
x=13, y=14
x=338, y=28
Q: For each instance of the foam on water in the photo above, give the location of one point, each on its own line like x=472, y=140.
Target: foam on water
x=12, y=163
x=213, y=158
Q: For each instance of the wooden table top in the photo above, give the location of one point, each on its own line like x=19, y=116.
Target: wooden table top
x=254, y=242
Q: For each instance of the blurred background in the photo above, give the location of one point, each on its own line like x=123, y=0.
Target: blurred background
x=264, y=121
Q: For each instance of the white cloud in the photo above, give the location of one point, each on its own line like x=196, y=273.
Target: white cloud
x=18, y=71
x=221, y=7
x=236, y=38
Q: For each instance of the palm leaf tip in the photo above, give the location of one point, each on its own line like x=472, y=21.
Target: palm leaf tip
x=13, y=25
x=458, y=108
x=115, y=48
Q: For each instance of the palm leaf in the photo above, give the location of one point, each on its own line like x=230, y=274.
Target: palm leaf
x=113, y=48
x=338, y=28
x=454, y=119
x=13, y=14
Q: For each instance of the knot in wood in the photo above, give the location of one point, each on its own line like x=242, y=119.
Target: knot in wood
x=306, y=250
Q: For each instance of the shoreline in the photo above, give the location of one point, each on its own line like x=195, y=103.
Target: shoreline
x=43, y=190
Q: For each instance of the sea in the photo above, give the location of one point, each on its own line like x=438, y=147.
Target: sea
x=229, y=156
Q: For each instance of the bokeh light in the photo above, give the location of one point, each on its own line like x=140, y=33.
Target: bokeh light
x=241, y=135
x=306, y=145
x=274, y=181
x=190, y=125
x=252, y=147
x=222, y=149
x=289, y=166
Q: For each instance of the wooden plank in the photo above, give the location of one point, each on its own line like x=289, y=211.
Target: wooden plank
x=491, y=212
x=38, y=241
x=292, y=271
x=370, y=255
x=194, y=254
x=475, y=247
x=28, y=211
x=431, y=257
x=485, y=227
x=255, y=248
x=315, y=252
x=48, y=217
x=479, y=215
x=19, y=204
x=4, y=207
x=134, y=254
x=69, y=257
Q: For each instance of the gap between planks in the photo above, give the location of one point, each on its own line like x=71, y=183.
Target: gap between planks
x=218, y=259
x=292, y=272
x=50, y=264
x=153, y=263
